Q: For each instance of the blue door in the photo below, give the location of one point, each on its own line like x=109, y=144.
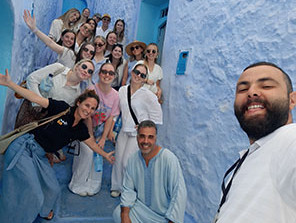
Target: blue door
x=78, y=4
x=152, y=22
x=6, y=24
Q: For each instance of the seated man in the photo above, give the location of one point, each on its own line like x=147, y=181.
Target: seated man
x=153, y=186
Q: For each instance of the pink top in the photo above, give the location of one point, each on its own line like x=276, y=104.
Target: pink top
x=109, y=105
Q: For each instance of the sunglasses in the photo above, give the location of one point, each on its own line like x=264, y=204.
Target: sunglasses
x=153, y=51
x=90, y=51
x=111, y=73
x=135, y=47
x=138, y=73
x=99, y=44
x=84, y=67
x=86, y=29
x=106, y=19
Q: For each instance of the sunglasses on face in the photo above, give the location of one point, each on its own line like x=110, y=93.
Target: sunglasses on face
x=99, y=44
x=111, y=73
x=84, y=67
x=105, y=19
x=135, y=47
x=86, y=29
x=138, y=73
x=90, y=51
x=153, y=51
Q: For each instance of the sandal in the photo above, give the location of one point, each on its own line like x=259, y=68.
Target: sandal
x=49, y=216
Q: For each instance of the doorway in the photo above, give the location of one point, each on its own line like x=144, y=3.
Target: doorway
x=152, y=22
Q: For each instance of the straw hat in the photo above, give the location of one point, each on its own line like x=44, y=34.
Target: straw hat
x=134, y=43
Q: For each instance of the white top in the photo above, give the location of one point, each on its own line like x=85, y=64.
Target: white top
x=67, y=58
x=77, y=46
x=155, y=75
x=101, y=32
x=123, y=42
x=58, y=91
x=56, y=29
x=145, y=106
x=263, y=189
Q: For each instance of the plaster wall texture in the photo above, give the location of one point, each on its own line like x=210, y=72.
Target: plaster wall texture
x=27, y=49
x=223, y=37
x=126, y=9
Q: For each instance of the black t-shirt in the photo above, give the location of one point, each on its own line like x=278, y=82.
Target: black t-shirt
x=58, y=133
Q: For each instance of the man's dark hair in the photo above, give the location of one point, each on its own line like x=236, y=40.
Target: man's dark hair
x=147, y=124
x=286, y=76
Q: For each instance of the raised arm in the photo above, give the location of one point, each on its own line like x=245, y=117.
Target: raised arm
x=31, y=96
x=31, y=23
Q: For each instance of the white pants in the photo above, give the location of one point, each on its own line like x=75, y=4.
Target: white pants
x=125, y=146
x=84, y=176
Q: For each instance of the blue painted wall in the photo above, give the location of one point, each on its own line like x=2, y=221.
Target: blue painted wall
x=7, y=26
x=79, y=4
x=199, y=126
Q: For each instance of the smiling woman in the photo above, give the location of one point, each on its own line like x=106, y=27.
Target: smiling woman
x=66, y=54
x=26, y=157
x=86, y=178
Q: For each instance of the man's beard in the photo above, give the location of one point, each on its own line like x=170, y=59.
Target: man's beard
x=277, y=114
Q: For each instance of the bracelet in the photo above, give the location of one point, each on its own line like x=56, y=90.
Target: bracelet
x=35, y=30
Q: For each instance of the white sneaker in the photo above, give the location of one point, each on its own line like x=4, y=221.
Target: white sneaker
x=115, y=193
x=82, y=194
x=91, y=193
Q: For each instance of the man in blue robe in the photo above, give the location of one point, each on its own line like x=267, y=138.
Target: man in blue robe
x=154, y=190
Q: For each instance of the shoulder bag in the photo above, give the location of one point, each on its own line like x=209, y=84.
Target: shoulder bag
x=6, y=139
x=129, y=105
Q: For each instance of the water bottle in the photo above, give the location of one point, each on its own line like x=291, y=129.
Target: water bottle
x=46, y=85
x=98, y=162
x=117, y=126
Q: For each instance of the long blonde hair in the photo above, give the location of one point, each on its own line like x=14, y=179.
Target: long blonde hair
x=146, y=59
x=66, y=18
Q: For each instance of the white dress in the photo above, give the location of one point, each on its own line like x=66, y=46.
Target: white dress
x=154, y=75
x=145, y=106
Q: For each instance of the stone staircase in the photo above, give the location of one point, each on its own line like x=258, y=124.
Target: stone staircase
x=74, y=208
